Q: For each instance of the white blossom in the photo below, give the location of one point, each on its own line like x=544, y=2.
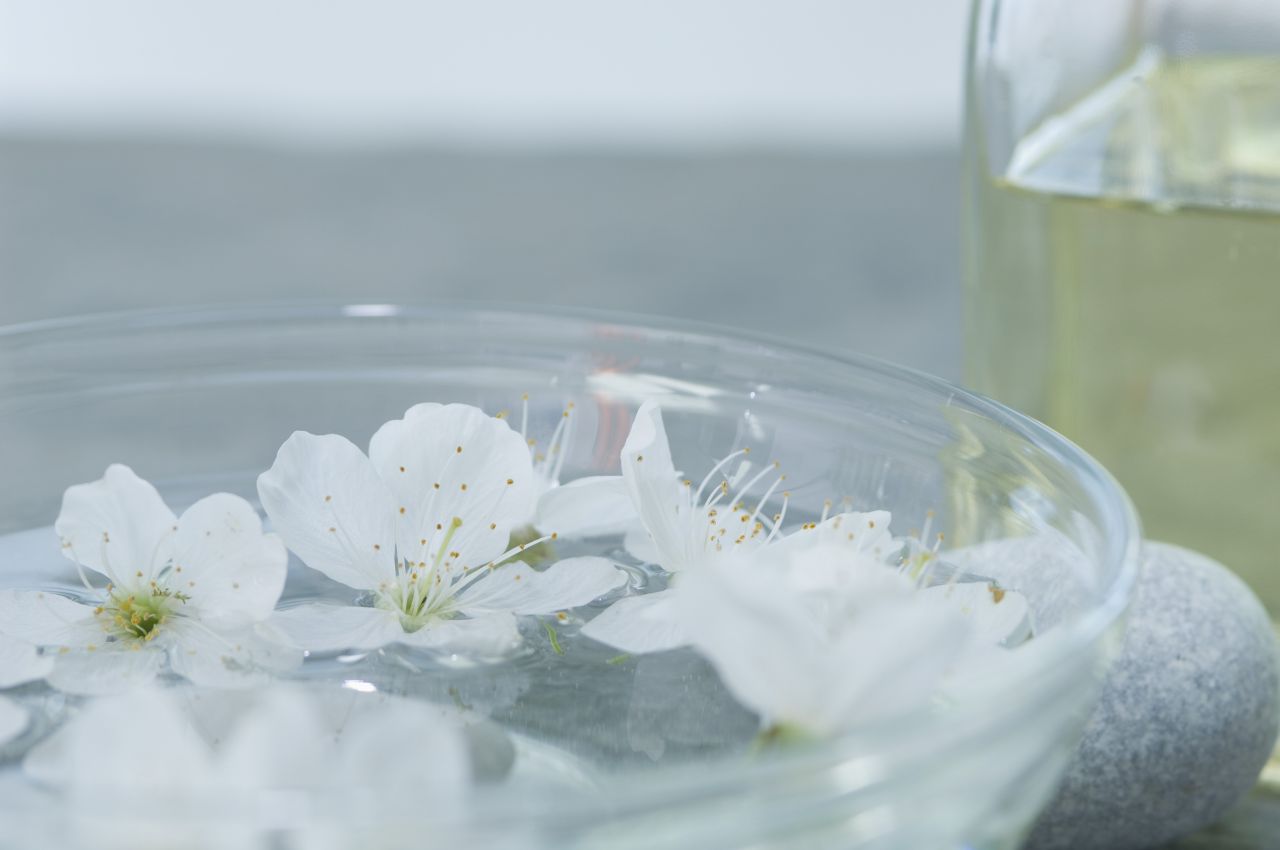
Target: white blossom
x=190, y=591
x=421, y=526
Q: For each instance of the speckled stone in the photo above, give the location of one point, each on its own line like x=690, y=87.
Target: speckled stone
x=1187, y=718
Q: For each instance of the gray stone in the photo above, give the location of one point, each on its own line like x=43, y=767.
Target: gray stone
x=1187, y=718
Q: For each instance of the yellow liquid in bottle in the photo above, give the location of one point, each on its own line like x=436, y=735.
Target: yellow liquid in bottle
x=1123, y=284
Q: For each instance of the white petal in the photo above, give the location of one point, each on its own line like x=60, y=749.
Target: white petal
x=111, y=668
x=44, y=619
x=866, y=533
x=492, y=634
x=13, y=720
x=639, y=624
x=232, y=571
x=587, y=507
x=862, y=650
x=450, y=463
x=87, y=753
x=278, y=742
x=327, y=502
x=890, y=661
x=402, y=744
x=329, y=628
x=639, y=544
x=658, y=496
x=994, y=615
x=759, y=637
x=388, y=436
x=118, y=526
x=227, y=660
x=21, y=662
x=520, y=589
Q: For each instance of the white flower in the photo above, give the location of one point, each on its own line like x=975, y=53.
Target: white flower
x=188, y=589
x=832, y=635
x=816, y=657
x=685, y=528
x=421, y=524
x=178, y=768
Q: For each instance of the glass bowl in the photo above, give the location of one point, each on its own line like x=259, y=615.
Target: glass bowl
x=646, y=753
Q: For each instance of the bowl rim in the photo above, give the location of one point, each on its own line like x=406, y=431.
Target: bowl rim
x=652, y=789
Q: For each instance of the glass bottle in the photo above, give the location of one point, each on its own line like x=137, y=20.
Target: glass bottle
x=1122, y=240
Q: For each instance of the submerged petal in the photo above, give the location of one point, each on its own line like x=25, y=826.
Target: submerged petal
x=13, y=720
x=107, y=669
x=232, y=571
x=587, y=507
x=407, y=744
x=520, y=589
x=233, y=659
x=640, y=624
x=451, y=463
x=319, y=627
x=491, y=634
x=118, y=526
x=93, y=751
x=326, y=500
x=21, y=662
x=44, y=619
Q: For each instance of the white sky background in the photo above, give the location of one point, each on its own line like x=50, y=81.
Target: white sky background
x=502, y=72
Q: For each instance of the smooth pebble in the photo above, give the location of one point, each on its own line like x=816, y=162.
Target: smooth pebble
x=1187, y=717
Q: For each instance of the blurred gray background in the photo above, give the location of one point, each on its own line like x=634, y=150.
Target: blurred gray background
x=789, y=168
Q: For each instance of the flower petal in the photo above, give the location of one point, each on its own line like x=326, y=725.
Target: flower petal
x=656, y=492
x=232, y=571
x=455, y=462
x=44, y=619
x=520, y=589
x=320, y=627
x=640, y=624
x=234, y=659
x=866, y=533
x=760, y=638
x=109, y=669
x=13, y=720
x=994, y=615
x=118, y=526
x=86, y=754
x=279, y=741
x=406, y=744
x=491, y=634
x=639, y=544
x=327, y=502
x=588, y=507
x=21, y=662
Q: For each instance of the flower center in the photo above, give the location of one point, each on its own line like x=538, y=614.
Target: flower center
x=138, y=616
x=722, y=522
x=422, y=592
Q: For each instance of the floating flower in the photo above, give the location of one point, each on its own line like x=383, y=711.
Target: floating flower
x=826, y=629
x=189, y=590
x=684, y=528
x=421, y=525
x=216, y=757
x=813, y=648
